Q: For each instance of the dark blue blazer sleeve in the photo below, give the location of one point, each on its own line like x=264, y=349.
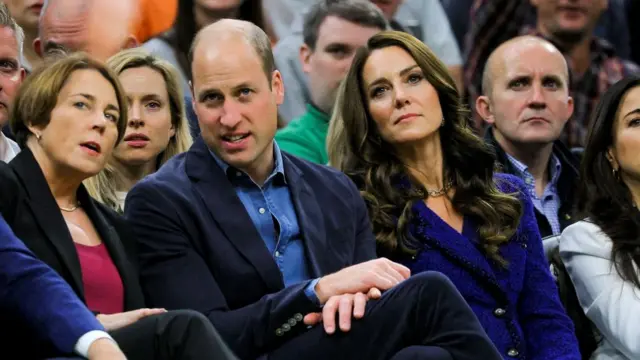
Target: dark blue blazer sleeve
x=175, y=276
x=42, y=298
x=549, y=331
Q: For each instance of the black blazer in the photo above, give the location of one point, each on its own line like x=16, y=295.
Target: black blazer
x=567, y=183
x=29, y=208
x=206, y=254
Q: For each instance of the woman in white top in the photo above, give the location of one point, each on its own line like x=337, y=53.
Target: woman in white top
x=156, y=131
x=602, y=252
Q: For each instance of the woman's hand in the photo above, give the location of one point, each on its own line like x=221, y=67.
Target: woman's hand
x=120, y=320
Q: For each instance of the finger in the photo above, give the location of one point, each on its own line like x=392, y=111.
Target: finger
x=383, y=280
x=345, y=308
x=374, y=293
x=359, y=305
x=401, y=269
x=390, y=270
x=312, y=318
x=329, y=314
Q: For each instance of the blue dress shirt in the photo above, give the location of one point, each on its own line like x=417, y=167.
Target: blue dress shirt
x=549, y=203
x=274, y=216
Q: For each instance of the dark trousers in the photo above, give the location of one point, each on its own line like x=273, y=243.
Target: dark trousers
x=424, y=317
x=175, y=335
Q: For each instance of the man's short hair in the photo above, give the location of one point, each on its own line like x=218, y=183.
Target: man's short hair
x=6, y=20
x=257, y=39
x=361, y=12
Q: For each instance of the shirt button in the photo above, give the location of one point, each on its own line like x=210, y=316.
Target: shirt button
x=277, y=253
x=513, y=352
x=286, y=327
x=292, y=322
x=238, y=173
x=279, y=332
x=298, y=317
x=499, y=312
x=261, y=210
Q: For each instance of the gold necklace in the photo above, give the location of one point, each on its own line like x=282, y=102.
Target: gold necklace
x=70, y=209
x=441, y=191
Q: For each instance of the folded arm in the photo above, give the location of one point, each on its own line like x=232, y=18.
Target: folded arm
x=43, y=299
x=175, y=276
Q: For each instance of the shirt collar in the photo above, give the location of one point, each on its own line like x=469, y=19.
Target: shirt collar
x=522, y=170
x=277, y=155
x=8, y=148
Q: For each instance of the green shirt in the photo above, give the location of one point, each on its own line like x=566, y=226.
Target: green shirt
x=306, y=136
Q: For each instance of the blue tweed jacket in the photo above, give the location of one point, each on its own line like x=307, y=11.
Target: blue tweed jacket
x=517, y=305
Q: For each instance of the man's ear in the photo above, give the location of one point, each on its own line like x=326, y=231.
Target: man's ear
x=305, y=57
x=131, y=42
x=277, y=86
x=37, y=46
x=483, y=107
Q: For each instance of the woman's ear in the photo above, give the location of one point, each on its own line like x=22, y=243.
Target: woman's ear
x=612, y=159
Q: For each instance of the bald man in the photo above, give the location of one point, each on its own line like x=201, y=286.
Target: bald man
x=277, y=251
x=526, y=101
x=100, y=28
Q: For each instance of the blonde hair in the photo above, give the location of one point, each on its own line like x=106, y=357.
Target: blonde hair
x=103, y=186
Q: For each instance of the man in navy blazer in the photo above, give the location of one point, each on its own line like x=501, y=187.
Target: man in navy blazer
x=47, y=304
x=268, y=246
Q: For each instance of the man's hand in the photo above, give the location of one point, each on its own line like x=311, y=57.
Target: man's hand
x=382, y=274
x=105, y=349
x=120, y=320
x=345, y=306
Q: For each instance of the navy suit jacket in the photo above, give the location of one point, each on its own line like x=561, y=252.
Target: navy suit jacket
x=199, y=249
x=33, y=292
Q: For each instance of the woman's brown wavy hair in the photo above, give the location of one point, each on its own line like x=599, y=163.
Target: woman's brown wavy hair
x=356, y=147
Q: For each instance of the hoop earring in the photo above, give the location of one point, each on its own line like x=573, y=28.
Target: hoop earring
x=616, y=174
x=38, y=137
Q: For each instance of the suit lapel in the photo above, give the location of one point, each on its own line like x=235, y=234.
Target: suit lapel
x=457, y=249
x=310, y=218
x=47, y=214
x=229, y=213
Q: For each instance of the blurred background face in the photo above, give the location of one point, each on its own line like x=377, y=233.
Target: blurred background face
x=25, y=12
x=569, y=19
x=149, y=129
x=403, y=104
x=218, y=4
x=626, y=130
x=236, y=103
x=11, y=74
x=329, y=62
x=388, y=7
x=100, y=28
x=83, y=127
x=529, y=98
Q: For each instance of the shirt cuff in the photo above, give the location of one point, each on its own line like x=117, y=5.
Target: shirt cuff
x=85, y=341
x=310, y=291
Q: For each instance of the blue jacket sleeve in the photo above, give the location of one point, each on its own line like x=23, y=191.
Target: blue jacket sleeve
x=42, y=298
x=548, y=330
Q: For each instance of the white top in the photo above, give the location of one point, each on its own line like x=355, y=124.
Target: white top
x=121, y=196
x=612, y=304
x=8, y=148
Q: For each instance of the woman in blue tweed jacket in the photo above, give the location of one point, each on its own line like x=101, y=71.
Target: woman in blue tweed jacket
x=435, y=202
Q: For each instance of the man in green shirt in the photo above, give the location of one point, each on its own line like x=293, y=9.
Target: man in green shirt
x=333, y=31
